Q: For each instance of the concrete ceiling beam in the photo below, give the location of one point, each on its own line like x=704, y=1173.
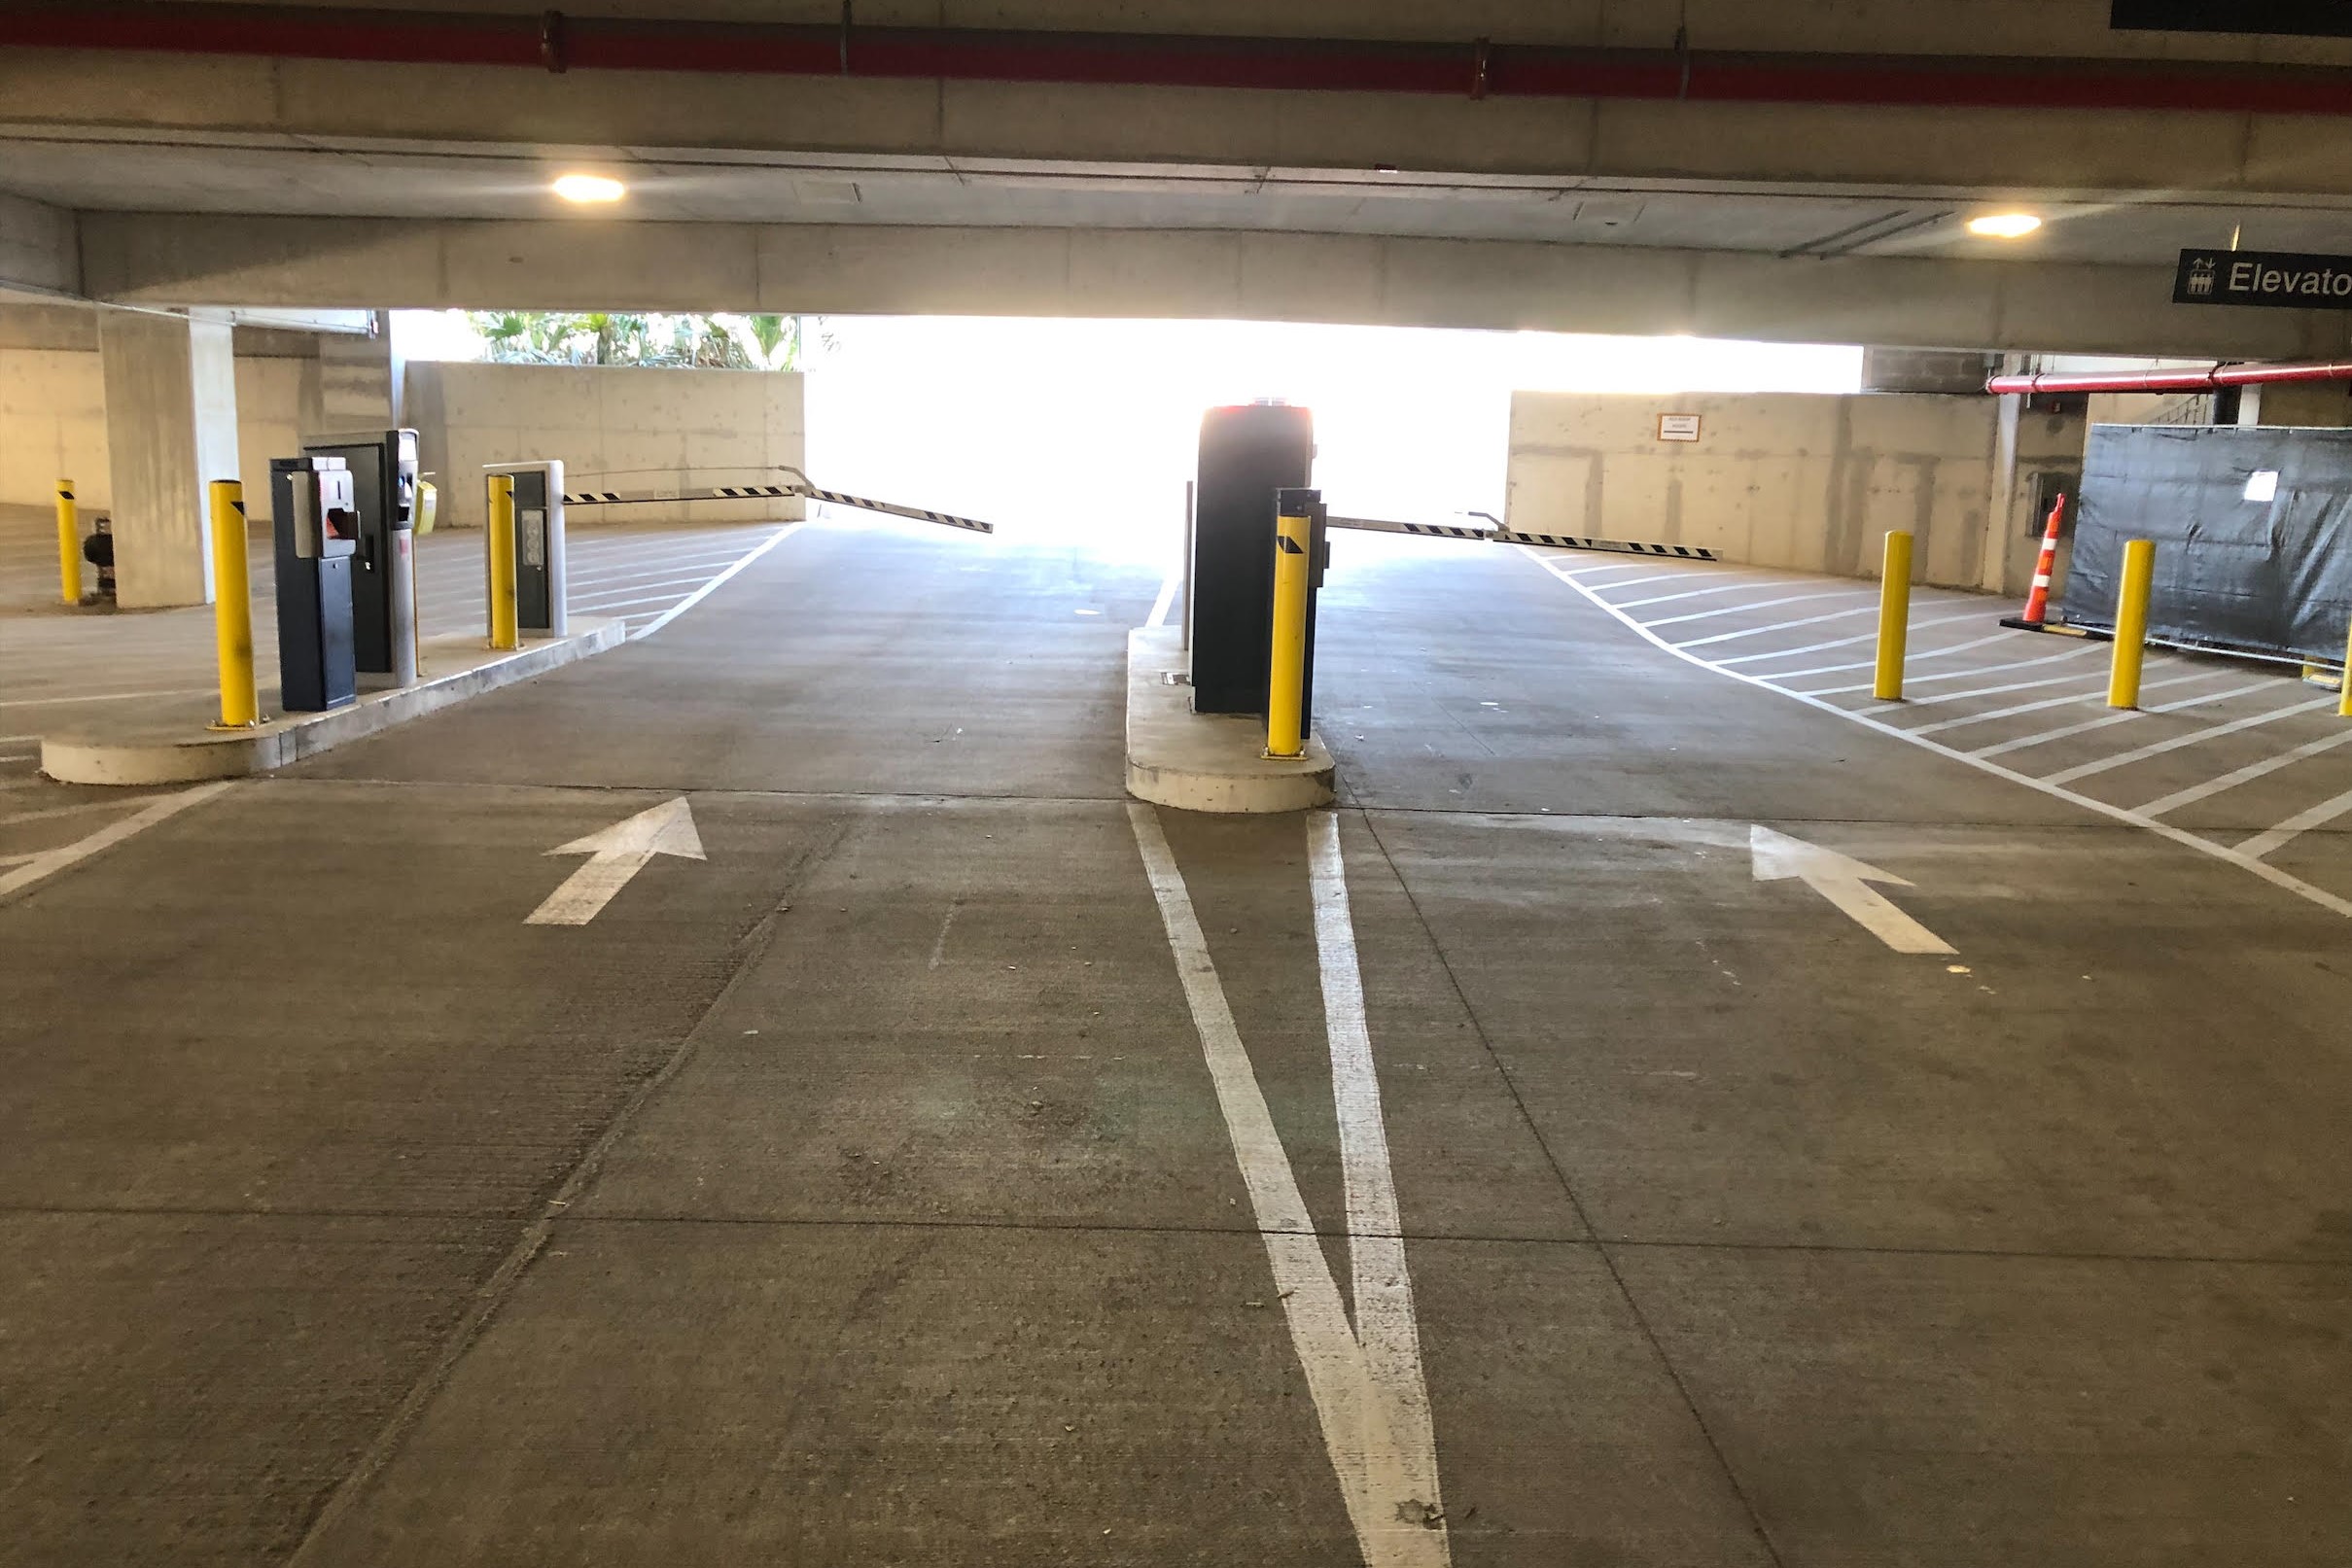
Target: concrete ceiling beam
x=179, y=259
x=39, y=249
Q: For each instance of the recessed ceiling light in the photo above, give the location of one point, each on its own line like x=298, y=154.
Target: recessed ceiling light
x=2004, y=225
x=589, y=188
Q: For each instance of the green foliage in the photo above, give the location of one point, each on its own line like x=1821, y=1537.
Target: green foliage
x=609, y=337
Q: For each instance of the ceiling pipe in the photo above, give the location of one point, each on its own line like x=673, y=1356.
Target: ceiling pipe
x=2221, y=375
x=1472, y=68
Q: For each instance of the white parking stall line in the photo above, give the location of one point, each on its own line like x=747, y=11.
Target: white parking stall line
x=2211, y=732
x=1370, y=1397
x=2333, y=904
x=1909, y=706
x=1731, y=585
x=1751, y=607
x=2302, y=822
x=2245, y=775
x=106, y=696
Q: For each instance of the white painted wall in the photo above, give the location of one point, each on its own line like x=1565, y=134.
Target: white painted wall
x=52, y=424
x=613, y=427
x=1809, y=482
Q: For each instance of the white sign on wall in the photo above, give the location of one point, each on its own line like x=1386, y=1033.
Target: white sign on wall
x=1678, y=427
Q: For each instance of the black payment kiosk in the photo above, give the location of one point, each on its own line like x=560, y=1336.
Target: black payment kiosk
x=383, y=570
x=317, y=530
x=1247, y=454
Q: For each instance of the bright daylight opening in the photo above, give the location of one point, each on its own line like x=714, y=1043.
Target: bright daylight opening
x=1071, y=428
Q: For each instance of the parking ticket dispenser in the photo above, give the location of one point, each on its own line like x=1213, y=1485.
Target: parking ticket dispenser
x=384, y=571
x=539, y=546
x=315, y=520
x=1247, y=454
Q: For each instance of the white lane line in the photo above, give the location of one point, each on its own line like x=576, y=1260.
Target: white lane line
x=1161, y=605
x=706, y=589
x=1733, y=585
x=105, y=696
x=2303, y=821
x=1382, y=1287
x=1367, y=1424
x=2210, y=732
x=2066, y=731
x=2120, y=813
x=939, y=948
x=51, y=862
x=2245, y=775
x=1751, y=605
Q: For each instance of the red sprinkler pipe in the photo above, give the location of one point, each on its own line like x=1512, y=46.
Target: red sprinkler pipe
x=1470, y=67
x=2221, y=375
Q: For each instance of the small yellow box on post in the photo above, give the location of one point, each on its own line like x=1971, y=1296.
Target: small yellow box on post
x=2131, y=623
x=1286, y=676
x=232, y=608
x=69, y=543
x=1894, y=617
x=505, y=621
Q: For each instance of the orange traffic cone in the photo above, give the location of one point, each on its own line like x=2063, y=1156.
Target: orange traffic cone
x=2037, y=602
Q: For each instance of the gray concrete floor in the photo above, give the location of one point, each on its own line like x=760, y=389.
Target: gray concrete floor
x=858, y=1194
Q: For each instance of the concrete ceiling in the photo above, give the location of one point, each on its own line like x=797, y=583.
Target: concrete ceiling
x=285, y=175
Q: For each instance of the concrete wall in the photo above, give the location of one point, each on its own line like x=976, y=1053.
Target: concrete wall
x=52, y=407
x=620, y=428
x=1808, y=482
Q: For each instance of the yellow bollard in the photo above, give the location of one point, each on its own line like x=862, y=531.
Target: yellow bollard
x=69, y=543
x=2131, y=623
x=232, y=608
x=1286, y=696
x=1894, y=617
x=505, y=633
x=2343, y=709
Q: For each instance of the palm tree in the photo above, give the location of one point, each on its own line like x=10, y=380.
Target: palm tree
x=772, y=332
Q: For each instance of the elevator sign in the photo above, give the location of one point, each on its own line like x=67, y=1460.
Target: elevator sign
x=2289, y=279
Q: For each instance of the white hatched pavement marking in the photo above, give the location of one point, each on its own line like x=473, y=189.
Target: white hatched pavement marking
x=1750, y=607
x=706, y=589
x=1964, y=674
x=51, y=861
x=1162, y=605
x=2105, y=720
x=1780, y=626
x=2194, y=738
x=2121, y=813
x=2303, y=821
x=1732, y=585
x=1846, y=641
x=1366, y=1383
x=2070, y=700
x=2245, y=775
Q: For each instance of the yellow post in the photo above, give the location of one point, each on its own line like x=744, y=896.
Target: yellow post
x=1894, y=616
x=2131, y=623
x=1285, y=698
x=2344, y=707
x=232, y=608
x=504, y=631
x=69, y=543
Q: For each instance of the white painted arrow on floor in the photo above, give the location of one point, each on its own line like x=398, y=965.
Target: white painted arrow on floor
x=614, y=855
x=1845, y=882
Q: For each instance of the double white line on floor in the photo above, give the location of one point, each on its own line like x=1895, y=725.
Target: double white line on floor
x=1366, y=1380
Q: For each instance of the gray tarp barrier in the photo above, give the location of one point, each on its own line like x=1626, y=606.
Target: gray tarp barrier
x=2243, y=562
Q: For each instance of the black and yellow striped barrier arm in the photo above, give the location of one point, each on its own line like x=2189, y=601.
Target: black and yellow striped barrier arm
x=1508, y=536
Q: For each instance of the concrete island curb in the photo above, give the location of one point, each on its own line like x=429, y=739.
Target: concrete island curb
x=1206, y=762
x=192, y=754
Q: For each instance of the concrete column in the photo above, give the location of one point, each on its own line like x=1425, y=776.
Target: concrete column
x=171, y=427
